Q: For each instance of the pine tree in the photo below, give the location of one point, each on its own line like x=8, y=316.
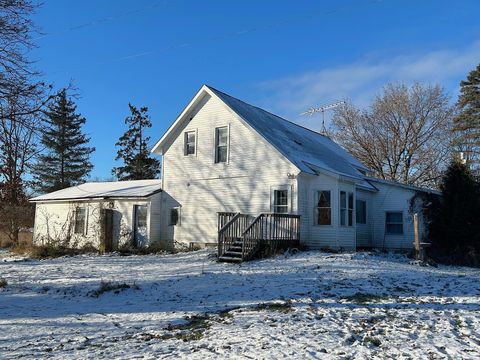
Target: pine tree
x=467, y=123
x=133, y=150
x=66, y=159
x=455, y=227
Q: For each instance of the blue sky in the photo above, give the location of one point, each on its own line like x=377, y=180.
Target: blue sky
x=282, y=55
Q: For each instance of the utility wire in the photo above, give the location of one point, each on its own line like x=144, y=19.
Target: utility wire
x=226, y=36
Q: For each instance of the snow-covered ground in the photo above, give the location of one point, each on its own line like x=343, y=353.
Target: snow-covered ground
x=308, y=305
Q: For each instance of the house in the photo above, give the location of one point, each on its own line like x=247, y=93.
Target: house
x=102, y=215
x=224, y=155
x=238, y=175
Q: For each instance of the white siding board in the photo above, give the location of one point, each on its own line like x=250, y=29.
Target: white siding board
x=202, y=188
x=392, y=198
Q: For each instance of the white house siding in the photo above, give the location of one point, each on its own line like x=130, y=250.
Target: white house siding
x=331, y=236
x=392, y=198
x=201, y=188
x=364, y=231
x=52, y=221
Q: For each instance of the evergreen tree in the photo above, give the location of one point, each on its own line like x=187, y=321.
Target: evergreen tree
x=133, y=150
x=66, y=159
x=455, y=227
x=467, y=123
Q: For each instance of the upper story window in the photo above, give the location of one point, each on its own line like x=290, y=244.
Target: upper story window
x=221, y=144
x=394, y=222
x=323, y=208
x=190, y=143
x=346, y=208
x=280, y=201
x=80, y=220
x=361, y=212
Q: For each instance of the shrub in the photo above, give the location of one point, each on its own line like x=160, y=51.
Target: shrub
x=50, y=251
x=3, y=283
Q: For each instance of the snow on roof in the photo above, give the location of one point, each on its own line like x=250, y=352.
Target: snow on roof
x=303, y=147
x=113, y=189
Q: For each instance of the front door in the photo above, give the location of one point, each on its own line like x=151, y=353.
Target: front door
x=140, y=225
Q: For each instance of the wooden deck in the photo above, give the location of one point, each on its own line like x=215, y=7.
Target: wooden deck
x=242, y=237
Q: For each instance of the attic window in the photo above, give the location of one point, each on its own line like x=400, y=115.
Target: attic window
x=221, y=144
x=190, y=142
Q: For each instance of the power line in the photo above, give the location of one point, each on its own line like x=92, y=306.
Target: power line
x=226, y=36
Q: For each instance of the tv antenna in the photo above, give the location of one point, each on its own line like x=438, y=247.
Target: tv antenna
x=322, y=109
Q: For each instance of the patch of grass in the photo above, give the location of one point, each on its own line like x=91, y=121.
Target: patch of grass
x=364, y=298
x=193, y=330
x=3, y=283
x=285, y=307
x=107, y=286
x=372, y=340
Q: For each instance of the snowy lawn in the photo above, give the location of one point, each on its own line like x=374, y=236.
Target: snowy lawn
x=308, y=305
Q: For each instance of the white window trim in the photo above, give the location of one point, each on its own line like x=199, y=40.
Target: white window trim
x=179, y=212
x=289, y=197
x=403, y=223
x=366, y=212
x=315, y=207
x=347, y=209
x=215, y=144
x=85, y=222
x=185, y=142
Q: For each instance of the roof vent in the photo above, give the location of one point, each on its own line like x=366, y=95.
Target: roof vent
x=298, y=142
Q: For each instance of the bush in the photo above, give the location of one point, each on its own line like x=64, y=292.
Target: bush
x=50, y=251
x=3, y=283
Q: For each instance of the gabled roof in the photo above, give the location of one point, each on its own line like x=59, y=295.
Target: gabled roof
x=104, y=190
x=305, y=148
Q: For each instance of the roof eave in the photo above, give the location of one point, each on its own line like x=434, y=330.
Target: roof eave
x=158, y=147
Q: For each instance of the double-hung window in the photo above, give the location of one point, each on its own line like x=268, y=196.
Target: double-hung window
x=280, y=201
x=361, y=212
x=346, y=208
x=323, y=208
x=190, y=143
x=80, y=220
x=394, y=223
x=221, y=144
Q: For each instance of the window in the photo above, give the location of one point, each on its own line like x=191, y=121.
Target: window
x=80, y=217
x=350, y=209
x=346, y=208
x=174, y=216
x=221, y=144
x=190, y=142
x=361, y=213
x=394, y=223
x=323, y=208
x=280, y=201
x=141, y=212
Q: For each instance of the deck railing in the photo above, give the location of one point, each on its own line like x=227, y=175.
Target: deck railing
x=270, y=227
x=231, y=231
x=274, y=228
